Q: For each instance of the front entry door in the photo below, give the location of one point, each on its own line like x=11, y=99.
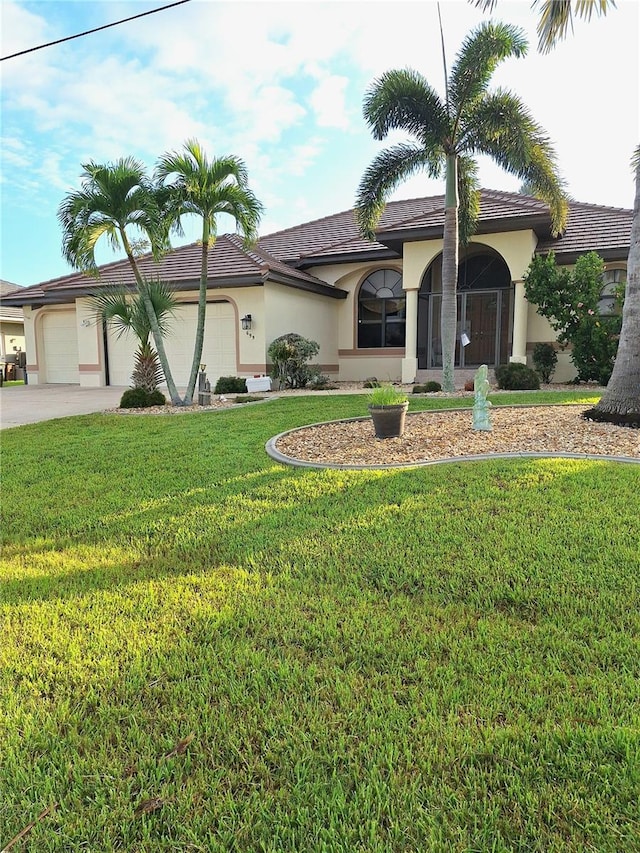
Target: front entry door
x=482, y=319
x=479, y=324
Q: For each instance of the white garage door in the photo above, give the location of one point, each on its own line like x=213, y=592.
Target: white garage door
x=60, y=338
x=218, y=353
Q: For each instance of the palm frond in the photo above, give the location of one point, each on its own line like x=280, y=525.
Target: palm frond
x=501, y=126
x=112, y=198
x=112, y=304
x=556, y=18
x=195, y=185
x=404, y=100
x=485, y=5
x=481, y=52
x=388, y=169
x=164, y=302
x=468, y=198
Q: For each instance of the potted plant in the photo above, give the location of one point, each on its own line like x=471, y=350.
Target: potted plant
x=388, y=407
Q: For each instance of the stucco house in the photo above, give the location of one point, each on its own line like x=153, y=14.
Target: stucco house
x=374, y=307
x=11, y=325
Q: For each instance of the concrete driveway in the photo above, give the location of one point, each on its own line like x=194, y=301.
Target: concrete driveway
x=28, y=404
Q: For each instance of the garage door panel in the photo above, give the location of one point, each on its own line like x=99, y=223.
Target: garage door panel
x=60, y=339
x=121, y=355
x=218, y=352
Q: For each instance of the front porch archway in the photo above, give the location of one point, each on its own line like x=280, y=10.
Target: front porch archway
x=485, y=311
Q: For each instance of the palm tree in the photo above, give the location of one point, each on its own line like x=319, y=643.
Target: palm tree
x=447, y=135
x=556, y=17
x=113, y=199
x=127, y=313
x=620, y=403
x=207, y=188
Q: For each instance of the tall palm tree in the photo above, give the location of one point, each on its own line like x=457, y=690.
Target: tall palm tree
x=127, y=313
x=207, y=188
x=115, y=198
x=556, y=17
x=620, y=403
x=447, y=135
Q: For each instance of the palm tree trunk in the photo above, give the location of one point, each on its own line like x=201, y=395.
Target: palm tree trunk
x=448, y=315
x=621, y=401
x=202, y=309
x=153, y=322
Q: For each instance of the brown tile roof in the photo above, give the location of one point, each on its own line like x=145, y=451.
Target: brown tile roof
x=603, y=229
x=9, y=312
x=606, y=230
x=284, y=255
x=229, y=265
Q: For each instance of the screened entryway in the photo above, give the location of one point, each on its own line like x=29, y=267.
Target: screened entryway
x=484, y=314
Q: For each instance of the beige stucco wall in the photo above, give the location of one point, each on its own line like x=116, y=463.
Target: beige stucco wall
x=308, y=314
x=11, y=337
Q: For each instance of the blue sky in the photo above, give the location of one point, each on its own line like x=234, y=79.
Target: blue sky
x=281, y=85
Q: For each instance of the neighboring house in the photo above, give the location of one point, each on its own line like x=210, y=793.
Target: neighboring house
x=374, y=307
x=11, y=323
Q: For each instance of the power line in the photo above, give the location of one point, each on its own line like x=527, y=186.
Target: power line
x=95, y=30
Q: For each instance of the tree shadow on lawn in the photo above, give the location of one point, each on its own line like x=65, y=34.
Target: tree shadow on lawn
x=302, y=721
x=311, y=526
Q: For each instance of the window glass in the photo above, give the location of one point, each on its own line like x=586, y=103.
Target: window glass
x=612, y=281
x=381, y=310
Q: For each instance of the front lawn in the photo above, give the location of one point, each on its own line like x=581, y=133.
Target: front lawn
x=205, y=651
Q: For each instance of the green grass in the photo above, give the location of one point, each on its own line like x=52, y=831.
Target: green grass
x=439, y=659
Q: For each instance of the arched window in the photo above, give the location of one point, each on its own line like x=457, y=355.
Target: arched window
x=381, y=310
x=611, y=281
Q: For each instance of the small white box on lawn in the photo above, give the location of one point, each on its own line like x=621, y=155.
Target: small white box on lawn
x=258, y=383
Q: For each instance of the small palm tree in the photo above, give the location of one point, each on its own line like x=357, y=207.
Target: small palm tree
x=113, y=199
x=447, y=135
x=556, y=17
x=207, y=188
x=127, y=313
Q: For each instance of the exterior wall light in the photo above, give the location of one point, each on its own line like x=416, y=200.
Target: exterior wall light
x=246, y=323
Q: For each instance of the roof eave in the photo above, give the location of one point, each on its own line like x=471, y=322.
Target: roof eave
x=346, y=257
x=620, y=253
x=397, y=237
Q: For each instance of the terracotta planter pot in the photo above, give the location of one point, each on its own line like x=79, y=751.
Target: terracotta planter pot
x=388, y=421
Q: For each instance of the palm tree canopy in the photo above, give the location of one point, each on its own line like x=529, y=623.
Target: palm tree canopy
x=207, y=188
x=468, y=122
x=127, y=312
x=556, y=17
x=113, y=197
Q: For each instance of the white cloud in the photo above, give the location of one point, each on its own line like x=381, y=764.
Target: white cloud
x=328, y=102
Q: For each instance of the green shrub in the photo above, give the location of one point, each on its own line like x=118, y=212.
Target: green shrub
x=320, y=382
x=570, y=300
x=517, y=377
x=371, y=382
x=248, y=398
x=140, y=398
x=230, y=385
x=595, y=344
x=289, y=355
x=430, y=387
x=545, y=359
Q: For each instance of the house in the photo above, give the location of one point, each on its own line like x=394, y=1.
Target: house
x=12, y=339
x=374, y=307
